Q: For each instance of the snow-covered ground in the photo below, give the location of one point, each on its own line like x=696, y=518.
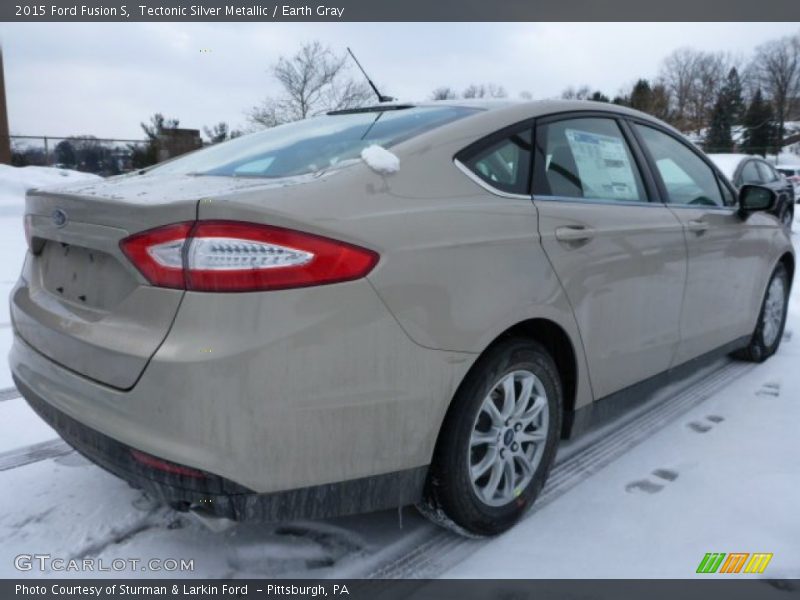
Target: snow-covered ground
x=14, y=181
x=717, y=472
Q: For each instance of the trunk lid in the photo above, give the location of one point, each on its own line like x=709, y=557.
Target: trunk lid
x=80, y=302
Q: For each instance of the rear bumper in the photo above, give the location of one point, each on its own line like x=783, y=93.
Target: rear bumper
x=216, y=496
x=311, y=393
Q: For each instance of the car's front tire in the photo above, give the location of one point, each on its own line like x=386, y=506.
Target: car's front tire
x=787, y=218
x=499, y=439
x=771, y=319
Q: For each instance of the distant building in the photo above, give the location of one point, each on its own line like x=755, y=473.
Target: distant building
x=175, y=141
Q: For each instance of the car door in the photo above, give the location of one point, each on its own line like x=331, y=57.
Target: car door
x=620, y=257
x=724, y=264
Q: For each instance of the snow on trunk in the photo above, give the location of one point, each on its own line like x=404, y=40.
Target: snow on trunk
x=380, y=160
x=15, y=181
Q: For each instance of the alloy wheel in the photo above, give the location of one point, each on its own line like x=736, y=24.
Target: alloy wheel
x=508, y=438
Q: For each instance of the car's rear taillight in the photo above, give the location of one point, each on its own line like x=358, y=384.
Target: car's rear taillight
x=165, y=466
x=233, y=256
x=158, y=254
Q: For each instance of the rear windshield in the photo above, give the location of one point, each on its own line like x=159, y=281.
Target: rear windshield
x=313, y=144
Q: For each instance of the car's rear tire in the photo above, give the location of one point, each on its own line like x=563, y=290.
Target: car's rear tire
x=498, y=441
x=771, y=319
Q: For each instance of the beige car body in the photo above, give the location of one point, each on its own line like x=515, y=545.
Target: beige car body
x=297, y=389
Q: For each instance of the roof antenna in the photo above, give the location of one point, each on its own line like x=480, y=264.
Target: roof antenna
x=381, y=97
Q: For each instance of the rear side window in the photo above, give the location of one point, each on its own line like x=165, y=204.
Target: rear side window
x=687, y=178
x=585, y=158
x=315, y=144
x=502, y=162
x=768, y=174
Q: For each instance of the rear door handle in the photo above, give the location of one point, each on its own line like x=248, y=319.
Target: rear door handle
x=574, y=233
x=697, y=225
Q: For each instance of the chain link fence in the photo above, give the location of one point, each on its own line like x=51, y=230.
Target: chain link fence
x=103, y=156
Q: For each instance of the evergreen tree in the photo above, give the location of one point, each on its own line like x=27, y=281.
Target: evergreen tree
x=599, y=97
x=641, y=97
x=761, y=132
x=731, y=93
x=718, y=136
x=65, y=154
x=646, y=97
x=728, y=111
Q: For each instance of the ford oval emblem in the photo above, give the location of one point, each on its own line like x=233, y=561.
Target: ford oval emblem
x=59, y=217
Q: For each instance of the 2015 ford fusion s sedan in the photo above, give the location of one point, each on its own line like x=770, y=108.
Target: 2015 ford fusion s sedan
x=276, y=327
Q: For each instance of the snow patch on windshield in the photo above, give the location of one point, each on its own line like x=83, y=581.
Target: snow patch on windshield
x=380, y=160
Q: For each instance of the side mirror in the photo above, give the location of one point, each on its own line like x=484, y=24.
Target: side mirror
x=754, y=198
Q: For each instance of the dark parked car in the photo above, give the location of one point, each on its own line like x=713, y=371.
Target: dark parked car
x=744, y=169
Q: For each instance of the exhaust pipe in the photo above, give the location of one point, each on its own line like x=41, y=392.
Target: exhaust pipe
x=202, y=514
x=210, y=521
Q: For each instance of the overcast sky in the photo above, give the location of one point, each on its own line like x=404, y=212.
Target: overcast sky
x=104, y=78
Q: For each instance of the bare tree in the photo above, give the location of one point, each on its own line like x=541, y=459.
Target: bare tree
x=692, y=80
x=158, y=123
x=484, y=90
x=776, y=67
x=710, y=71
x=314, y=80
x=220, y=133
x=526, y=95
x=144, y=155
x=660, y=102
x=678, y=73
x=444, y=93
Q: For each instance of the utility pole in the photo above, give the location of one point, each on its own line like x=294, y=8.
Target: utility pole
x=5, y=141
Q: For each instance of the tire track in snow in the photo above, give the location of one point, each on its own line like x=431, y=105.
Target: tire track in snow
x=120, y=536
x=441, y=549
x=27, y=455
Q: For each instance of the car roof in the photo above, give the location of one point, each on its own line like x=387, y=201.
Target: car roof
x=496, y=114
x=532, y=108
x=729, y=163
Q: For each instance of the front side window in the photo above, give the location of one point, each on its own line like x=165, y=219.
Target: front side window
x=314, y=144
x=750, y=173
x=504, y=163
x=585, y=158
x=728, y=196
x=687, y=178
